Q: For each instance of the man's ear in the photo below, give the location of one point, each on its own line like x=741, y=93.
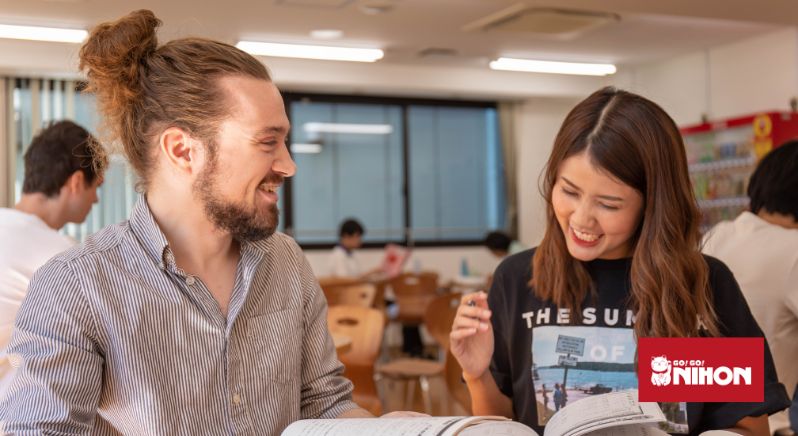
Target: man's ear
x=179, y=149
x=75, y=183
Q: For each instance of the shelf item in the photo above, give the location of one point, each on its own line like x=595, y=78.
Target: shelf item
x=723, y=154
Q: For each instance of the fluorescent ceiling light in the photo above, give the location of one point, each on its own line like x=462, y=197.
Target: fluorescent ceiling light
x=311, y=51
x=326, y=33
x=35, y=33
x=533, y=66
x=308, y=148
x=366, y=129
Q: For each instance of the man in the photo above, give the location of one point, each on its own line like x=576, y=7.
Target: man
x=761, y=249
x=343, y=262
x=195, y=316
x=63, y=169
x=342, y=259
x=502, y=245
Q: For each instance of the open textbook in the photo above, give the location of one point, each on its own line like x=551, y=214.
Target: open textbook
x=616, y=413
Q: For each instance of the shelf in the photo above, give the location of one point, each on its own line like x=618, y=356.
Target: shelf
x=722, y=164
x=723, y=202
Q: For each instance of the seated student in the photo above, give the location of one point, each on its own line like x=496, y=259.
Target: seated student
x=619, y=260
x=761, y=249
x=502, y=245
x=64, y=167
x=343, y=262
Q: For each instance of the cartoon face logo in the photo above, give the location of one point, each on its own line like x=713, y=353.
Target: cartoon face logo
x=660, y=371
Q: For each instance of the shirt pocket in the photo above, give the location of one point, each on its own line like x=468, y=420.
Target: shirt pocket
x=277, y=340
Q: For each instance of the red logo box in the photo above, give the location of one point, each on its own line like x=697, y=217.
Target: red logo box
x=701, y=369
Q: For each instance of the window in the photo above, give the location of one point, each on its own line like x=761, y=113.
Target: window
x=355, y=172
x=456, y=186
x=415, y=172
x=418, y=172
x=36, y=103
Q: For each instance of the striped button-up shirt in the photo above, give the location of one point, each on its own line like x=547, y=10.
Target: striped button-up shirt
x=113, y=337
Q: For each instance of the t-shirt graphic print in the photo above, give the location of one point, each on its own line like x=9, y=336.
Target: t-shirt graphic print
x=569, y=363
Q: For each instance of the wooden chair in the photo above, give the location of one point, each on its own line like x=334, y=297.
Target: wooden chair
x=438, y=318
x=441, y=314
x=348, y=292
x=414, y=292
x=364, y=326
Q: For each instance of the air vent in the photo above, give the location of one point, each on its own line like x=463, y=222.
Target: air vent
x=552, y=22
x=332, y=4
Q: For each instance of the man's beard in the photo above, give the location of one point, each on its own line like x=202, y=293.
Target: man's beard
x=242, y=222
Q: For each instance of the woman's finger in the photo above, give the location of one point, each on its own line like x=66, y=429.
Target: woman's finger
x=464, y=322
x=460, y=334
x=474, y=312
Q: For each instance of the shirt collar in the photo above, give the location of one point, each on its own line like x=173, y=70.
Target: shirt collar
x=143, y=225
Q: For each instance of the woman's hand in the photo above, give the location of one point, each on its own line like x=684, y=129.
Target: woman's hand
x=472, y=335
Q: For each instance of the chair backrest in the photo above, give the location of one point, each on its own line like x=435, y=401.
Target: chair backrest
x=425, y=282
x=332, y=281
x=364, y=326
x=413, y=293
x=439, y=317
x=438, y=320
x=361, y=294
x=347, y=291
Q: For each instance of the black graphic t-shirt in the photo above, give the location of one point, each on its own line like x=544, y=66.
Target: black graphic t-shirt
x=543, y=360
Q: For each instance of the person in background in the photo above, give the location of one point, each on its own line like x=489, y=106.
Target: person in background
x=761, y=248
x=194, y=316
x=557, y=397
x=343, y=262
x=502, y=245
x=620, y=260
x=64, y=166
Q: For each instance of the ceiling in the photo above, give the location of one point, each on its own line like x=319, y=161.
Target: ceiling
x=647, y=30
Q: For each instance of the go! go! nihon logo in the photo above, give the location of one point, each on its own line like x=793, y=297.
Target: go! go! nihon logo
x=701, y=369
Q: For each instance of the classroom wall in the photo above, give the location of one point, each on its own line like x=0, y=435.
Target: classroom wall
x=538, y=121
x=756, y=74
x=444, y=260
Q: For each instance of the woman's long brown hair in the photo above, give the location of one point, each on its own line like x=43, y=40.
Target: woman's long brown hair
x=635, y=141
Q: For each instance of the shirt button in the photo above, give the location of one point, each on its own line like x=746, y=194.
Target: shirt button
x=236, y=399
x=190, y=280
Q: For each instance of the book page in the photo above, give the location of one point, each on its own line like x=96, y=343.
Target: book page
x=602, y=411
x=630, y=430
x=421, y=426
x=498, y=428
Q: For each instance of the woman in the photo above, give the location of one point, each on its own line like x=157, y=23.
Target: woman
x=619, y=260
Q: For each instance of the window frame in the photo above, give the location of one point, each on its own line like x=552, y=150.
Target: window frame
x=292, y=97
